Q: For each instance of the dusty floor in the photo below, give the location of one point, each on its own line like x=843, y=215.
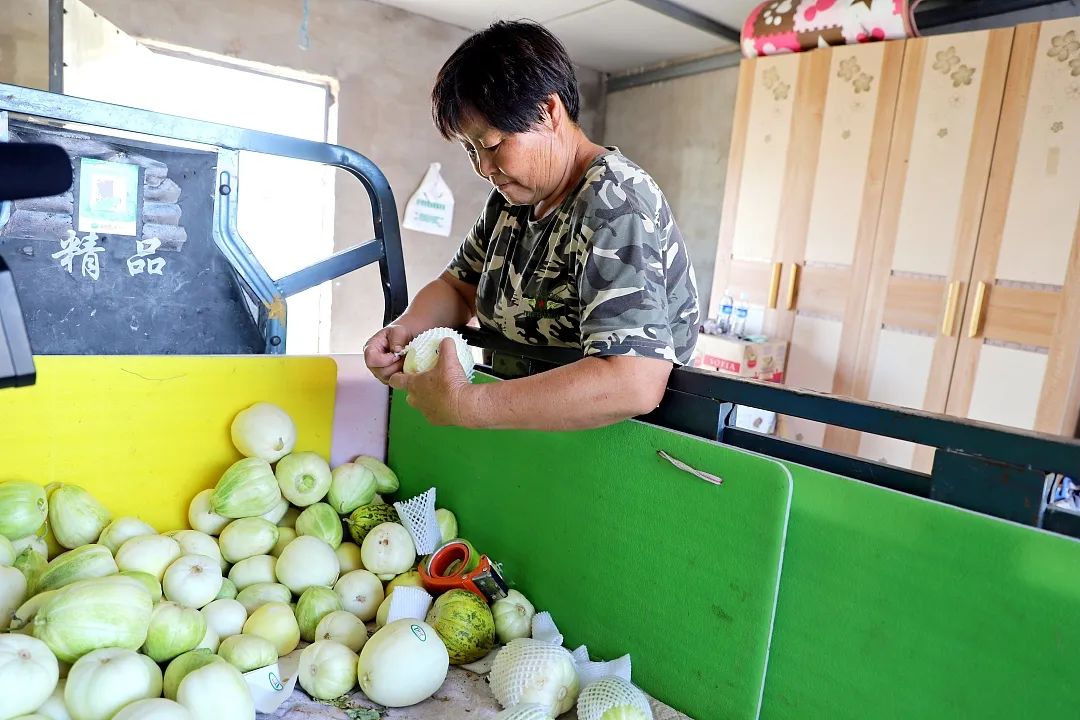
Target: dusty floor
x=464, y=696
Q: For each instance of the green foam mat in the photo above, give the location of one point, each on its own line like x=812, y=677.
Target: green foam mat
x=628, y=553
x=894, y=607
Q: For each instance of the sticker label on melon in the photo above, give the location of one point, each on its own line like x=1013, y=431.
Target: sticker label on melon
x=419, y=633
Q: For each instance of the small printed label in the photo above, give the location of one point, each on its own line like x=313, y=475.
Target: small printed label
x=722, y=363
x=271, y=685
x=419, y=633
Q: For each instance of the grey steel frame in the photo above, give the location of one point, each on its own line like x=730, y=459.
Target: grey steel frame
x=16, y=360
x=384, y=248
x=694, y=19
x=930, y=16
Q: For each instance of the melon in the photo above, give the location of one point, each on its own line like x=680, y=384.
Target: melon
x=613, y=698
x=365, y=519
x=410, y=578
x=464, y=622
x=625, y=712
x=423, y=352
x=525, y=712
x=402, y=664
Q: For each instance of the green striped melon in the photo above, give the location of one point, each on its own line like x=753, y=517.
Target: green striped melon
x=365, y=518
x=92, y=614
x=83, y=563
x=464, y=622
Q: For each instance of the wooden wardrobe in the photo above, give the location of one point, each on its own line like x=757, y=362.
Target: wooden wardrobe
x=908, y=216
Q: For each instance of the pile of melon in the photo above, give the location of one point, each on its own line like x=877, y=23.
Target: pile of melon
x=108, y=618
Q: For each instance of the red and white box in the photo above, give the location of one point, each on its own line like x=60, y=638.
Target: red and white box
x=743, y=358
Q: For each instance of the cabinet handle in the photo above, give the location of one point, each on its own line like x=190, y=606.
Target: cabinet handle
x=978, y=310
x=774, y=285
x=792, y=286
x=948, y=323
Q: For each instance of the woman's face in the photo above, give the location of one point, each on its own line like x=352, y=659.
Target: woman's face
x=524, y=167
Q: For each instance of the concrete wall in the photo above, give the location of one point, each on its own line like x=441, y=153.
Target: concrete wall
x=24, y=43
x=384, y=60
x=679, y=131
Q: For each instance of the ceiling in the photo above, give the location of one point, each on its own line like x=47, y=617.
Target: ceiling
x=607, y=35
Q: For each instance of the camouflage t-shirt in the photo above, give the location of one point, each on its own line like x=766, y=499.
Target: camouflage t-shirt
x=606, y=272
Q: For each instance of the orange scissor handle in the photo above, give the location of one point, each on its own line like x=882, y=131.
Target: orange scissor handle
x=441, y=572
x=448, y=559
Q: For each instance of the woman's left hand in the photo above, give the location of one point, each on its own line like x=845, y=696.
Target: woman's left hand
x=441, y=393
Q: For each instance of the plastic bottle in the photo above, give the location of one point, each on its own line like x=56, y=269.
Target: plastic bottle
x=727, y=309
x=738, y=328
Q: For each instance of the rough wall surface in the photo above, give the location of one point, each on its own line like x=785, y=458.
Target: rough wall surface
x=679, y=131
x=24, y=43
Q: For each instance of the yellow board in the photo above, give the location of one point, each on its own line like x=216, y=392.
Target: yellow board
x=144, y=434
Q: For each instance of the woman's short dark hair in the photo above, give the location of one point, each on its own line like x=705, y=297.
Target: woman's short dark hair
x=504, y=74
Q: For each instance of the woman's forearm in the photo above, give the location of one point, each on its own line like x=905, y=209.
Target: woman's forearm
x=443, y=302
x=589, y=393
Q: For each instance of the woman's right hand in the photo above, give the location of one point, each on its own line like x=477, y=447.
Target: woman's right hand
x=381, y=351
x=443, y=302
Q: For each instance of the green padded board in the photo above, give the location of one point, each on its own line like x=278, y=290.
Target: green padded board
x=629, y=554
x=896, y=607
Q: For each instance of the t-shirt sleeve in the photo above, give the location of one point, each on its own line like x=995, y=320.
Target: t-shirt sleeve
x=623, y=280
x=468, y=262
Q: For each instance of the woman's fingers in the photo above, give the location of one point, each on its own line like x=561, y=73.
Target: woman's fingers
x=384, y=353
x=397, y=338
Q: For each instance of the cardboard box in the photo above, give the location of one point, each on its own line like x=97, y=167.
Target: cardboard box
x=732, y=356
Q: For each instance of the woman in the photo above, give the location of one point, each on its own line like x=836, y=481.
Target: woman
x=576, y=247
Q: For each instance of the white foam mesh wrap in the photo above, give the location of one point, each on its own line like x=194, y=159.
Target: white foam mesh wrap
x=525, y=712
x=423, y=351
x=523, y=671
x=611, y=692
x=544, y=628
x=589, y=672
x=411, y=602
x=418, y=517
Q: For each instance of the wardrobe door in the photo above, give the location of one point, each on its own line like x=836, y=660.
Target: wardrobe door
x=1017, y=359
x=829, y=239
x=764, y=140
x=936, y=179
